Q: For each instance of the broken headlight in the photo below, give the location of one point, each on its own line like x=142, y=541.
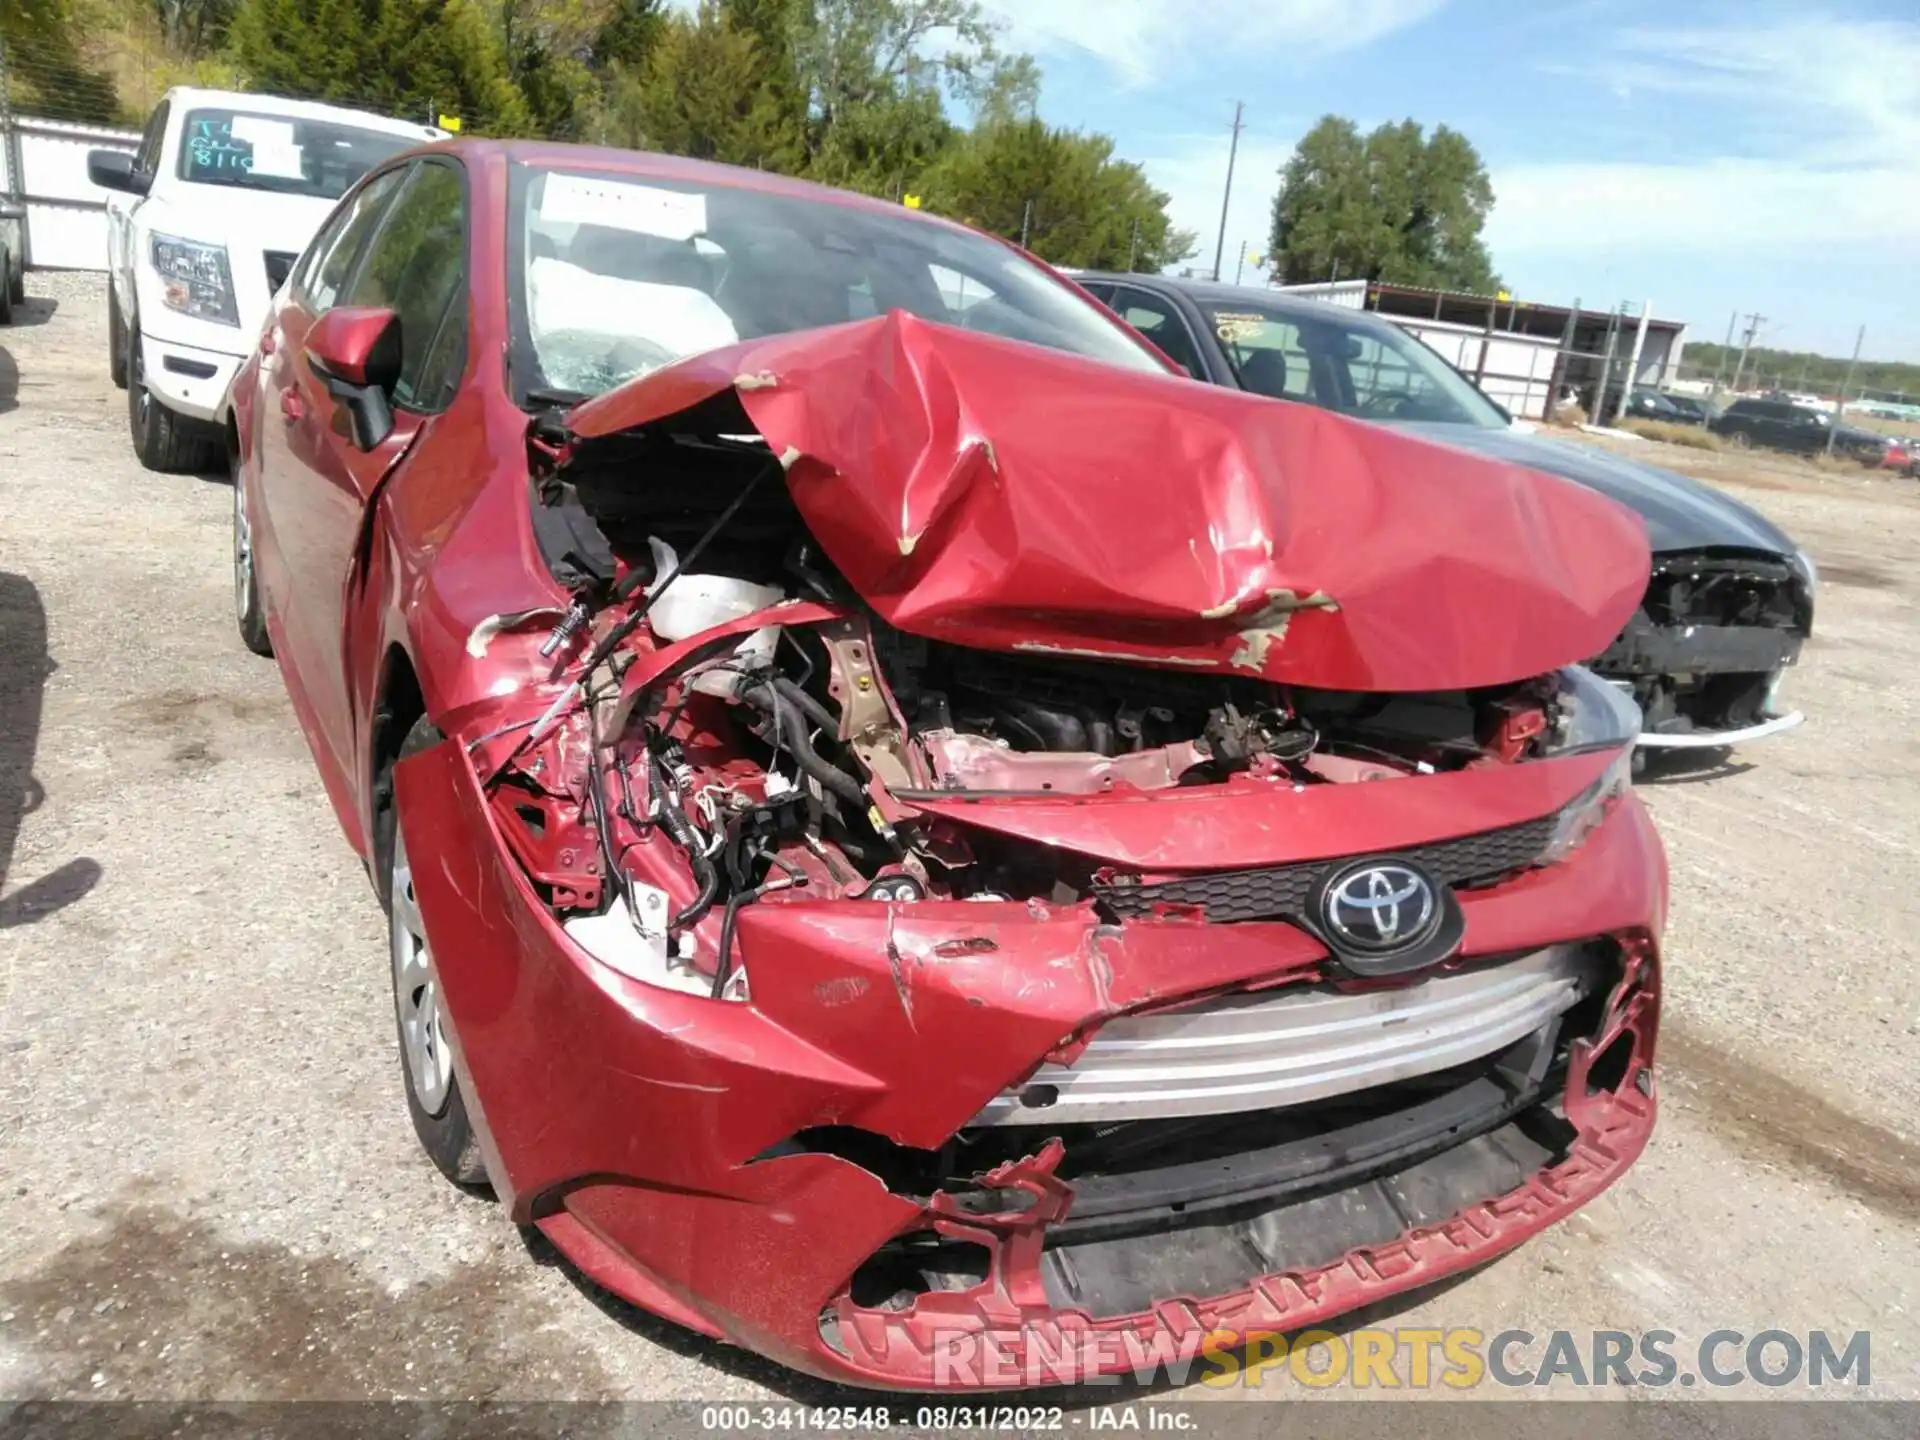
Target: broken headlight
x=1588, y=809
x=1592, y=714
x=195, y=279
x=1803, y=562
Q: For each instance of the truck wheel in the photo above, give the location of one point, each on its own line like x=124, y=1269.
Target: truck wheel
x=116, y=340
x=168, y=443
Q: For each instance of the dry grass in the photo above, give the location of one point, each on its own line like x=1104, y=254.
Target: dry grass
x=1694, y=437
x=1569, y=415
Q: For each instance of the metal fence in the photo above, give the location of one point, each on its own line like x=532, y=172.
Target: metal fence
x=43, y=161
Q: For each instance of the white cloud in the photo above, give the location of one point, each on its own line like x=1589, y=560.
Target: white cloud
x=1144, y=41
x=1819, y=122
x=1719, y=205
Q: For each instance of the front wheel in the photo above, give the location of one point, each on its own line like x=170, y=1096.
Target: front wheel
x=116, y=340
x=169, y=443
x=434, y=1102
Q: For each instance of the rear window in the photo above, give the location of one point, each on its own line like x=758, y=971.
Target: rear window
x=282, y=154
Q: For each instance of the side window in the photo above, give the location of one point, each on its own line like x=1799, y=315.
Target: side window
x=1155, y=319
x=415, y=266
x=329, y=258
x=1386, y=383
x=147, y=157
x=1101, y=290
x=1267, y=355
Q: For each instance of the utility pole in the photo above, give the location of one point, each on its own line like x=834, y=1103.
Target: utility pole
x=1026, y=224
x=1840, y=407
x=1754, y=322
x=1632, y=377
x=1606, y=367
x=1240, y=269
x=1133, y=251
x=1720, y=366
x=1233, y=154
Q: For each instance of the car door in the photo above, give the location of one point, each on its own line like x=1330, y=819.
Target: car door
x=414, y=264
x=317, y=280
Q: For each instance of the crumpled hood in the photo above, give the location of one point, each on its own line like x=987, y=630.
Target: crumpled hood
x=1681, y=513
x=993, y=494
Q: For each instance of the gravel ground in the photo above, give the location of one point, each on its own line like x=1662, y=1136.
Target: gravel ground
x=208, y=1187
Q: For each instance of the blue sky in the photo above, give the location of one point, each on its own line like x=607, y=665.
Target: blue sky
x=1701, y=155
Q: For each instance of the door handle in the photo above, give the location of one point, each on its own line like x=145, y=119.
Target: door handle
x=292, y=407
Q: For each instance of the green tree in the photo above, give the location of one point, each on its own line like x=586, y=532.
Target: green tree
x=874, y=77
x=1076, y=202
x=703, y=92
x=415, y=58
x=1395, y=205
x=47, y=73
x=193, y=28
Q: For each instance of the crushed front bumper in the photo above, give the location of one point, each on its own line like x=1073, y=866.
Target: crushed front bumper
x=693, y=1155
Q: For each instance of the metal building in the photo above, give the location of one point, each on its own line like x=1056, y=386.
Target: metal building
x=1522, y=354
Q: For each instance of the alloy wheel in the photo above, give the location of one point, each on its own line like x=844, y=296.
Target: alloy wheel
x=416, y=993
x=242, y=550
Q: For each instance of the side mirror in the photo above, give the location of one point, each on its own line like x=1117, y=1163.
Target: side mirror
x=114, y=170
x=356, y=354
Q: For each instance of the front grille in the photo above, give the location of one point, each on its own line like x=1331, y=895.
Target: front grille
x=279, y=266
x=1280, y=891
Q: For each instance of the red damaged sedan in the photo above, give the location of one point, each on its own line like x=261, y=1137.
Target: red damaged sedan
x=918, y=842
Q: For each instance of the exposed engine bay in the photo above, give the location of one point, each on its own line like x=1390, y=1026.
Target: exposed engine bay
x=779, y=741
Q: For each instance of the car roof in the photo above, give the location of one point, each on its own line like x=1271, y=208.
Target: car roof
x=188, y=95
x=1214, y=292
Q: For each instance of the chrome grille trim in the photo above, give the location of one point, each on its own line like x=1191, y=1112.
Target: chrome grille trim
x=1262, y=1052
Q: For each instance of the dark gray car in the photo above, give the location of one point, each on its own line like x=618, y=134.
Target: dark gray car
x=1730, y=600
x=13, y=257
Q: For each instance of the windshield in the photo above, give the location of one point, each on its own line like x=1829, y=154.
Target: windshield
x=1376, y=373
x=616, y=276
x=282, y=154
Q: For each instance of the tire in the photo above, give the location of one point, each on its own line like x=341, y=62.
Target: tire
x=17, y=292
x=434, y=1102
x=248, y=611
x=116, y=340
x=165, y=442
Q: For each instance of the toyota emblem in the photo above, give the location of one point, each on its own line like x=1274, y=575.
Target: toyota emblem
x=1379, y=907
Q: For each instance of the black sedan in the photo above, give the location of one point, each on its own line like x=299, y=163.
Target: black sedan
x=1691, y=409
x=1730, y=601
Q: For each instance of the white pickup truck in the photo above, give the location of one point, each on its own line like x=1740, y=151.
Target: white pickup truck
x=207, y=218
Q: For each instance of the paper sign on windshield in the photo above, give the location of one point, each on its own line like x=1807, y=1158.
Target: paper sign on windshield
x=641, y=209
